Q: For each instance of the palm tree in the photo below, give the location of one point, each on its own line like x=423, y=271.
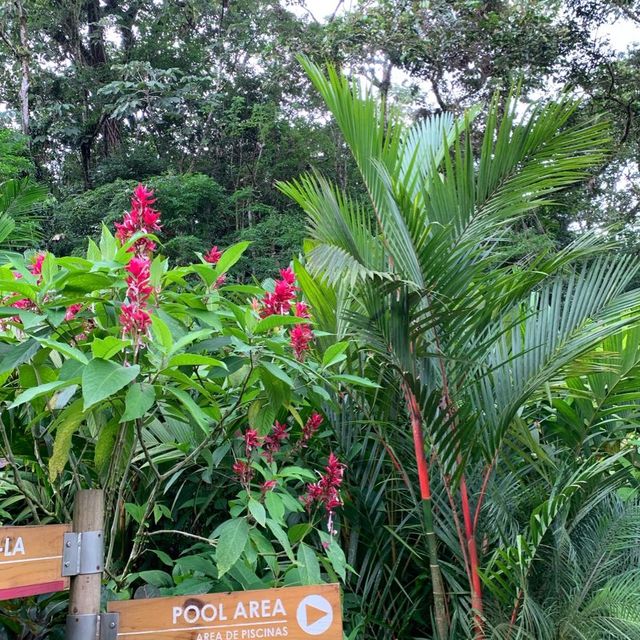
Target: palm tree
x=421, y=274
x=19, y=221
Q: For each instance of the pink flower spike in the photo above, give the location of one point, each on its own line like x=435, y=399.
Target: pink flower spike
x=302, y=310
x=311, y=426
x=72, y=311
x=36, y=266
x=213, y=256
x=251, y=440
x=268, y=485
x=301, y=336
x=288, y=276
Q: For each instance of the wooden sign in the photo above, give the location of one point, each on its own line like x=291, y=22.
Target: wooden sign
x=295, y=613
x=31, y=560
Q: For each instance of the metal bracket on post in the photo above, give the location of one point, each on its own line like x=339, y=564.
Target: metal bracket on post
x=82, y=553
x=102, y=626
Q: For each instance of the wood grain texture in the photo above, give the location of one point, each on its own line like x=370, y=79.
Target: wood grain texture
x=31, y=560
x=295, y=613
x=88, y=515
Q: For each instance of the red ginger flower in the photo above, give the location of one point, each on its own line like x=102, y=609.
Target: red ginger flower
x=141, y=218
x=36, y=266
x=279, y=302
x=268, y=485
x=301, y=336
x=72, y=311
x=274, y=440
x=326, y=491
x=311, y=426
x=302, y=310
x=134, y=316
x=213, y=256
x=251, y=440
x=243, y=470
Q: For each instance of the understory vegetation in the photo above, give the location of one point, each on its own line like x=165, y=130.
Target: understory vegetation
x=304, y=323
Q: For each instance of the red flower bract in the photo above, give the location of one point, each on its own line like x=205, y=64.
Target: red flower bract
x=134, y=315
x=213, y=256
x=326, y=491
x=311, y=426
x=142, y=218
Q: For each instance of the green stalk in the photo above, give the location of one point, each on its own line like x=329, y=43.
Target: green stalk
x=439, y=594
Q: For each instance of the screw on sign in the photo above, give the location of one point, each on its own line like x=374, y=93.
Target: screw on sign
x=295, y=613
x=31, y=560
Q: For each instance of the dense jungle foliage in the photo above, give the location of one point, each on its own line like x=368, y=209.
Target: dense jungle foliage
x=329, y=292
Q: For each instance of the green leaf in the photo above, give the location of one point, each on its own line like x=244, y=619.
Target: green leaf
x=136, y=511
x=195, y=359
x=64, y=349
x=156, y=578
x=231, y=543
x=65, y=425
x=335, y=554
x=281, y=537
x=258, y=512
x=357, y=380
x=139, y=399
x=19, y=354
x=40, y=390
x=195, y=411
x=274, y=505
x=230, y=256
x=104, y=446
x=161, y=333
x=308, y=565
x=274, y=321
x=277, y=372
x=106, y=348
x=103, y=378
x=334, y=354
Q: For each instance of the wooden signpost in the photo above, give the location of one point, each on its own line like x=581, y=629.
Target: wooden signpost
x=295, y=613
x=31, y=560
x=34, y=559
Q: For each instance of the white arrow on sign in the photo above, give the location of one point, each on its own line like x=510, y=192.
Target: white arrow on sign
x=315, y=615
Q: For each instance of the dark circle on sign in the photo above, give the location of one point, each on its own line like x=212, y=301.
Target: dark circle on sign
x=193, y=602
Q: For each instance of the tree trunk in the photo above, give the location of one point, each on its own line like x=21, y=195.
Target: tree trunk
x=25, y=70
x=439, y=594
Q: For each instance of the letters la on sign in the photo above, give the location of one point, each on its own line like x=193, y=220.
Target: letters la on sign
x=31, y=560
x=295, y=613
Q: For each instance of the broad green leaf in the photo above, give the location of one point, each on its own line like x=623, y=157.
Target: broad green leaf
x=281, y=537
x=40, y=390
x=102, y=378
x=195, y=359
x=257, y=511
x=357, y=380
x=335, y=554
x=334, y=354
x=104, y=446
x=161, y=333
x=231, y=543
x=139, y=399
x=308, y=565
x=274, y=505
x=106, y=348
x=274, y=321
x=230, y=256
x=64, y=349
x=18, y=354
x=136, y=511
x=65, y=426
x=194, y=410
x=278, y=372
